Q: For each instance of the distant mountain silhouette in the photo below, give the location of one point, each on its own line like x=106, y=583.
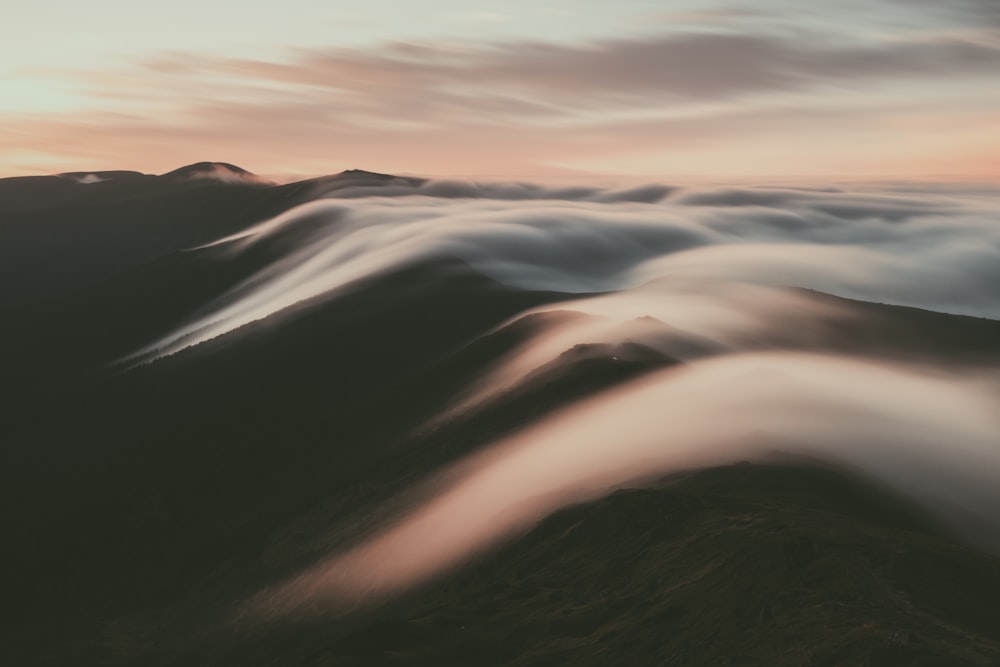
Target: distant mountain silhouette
x=219, y=171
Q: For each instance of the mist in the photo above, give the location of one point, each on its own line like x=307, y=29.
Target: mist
x=938, y=249
x=930, y=436
x=745, y=291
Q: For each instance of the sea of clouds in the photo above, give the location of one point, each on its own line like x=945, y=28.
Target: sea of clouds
x=678, y=269
x=937, y=249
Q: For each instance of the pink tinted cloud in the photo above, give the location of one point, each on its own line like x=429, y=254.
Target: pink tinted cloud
x=525, y=109
x=931, y=437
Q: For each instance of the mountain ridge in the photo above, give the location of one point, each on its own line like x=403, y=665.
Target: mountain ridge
x=160, y=513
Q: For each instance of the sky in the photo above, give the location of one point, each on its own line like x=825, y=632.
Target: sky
x=524, y=89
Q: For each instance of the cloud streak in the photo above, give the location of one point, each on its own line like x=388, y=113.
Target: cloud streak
x=938, y=251
x=930, y=437
x=557, y=106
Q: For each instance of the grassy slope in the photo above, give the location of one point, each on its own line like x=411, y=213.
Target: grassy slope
x=769, y=565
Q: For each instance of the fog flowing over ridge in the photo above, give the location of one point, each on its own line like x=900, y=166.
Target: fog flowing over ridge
x=366, y=419
x=932, y=437
x=712, y=278
x=938, y=250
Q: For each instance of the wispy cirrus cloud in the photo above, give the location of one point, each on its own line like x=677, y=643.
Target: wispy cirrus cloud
x=531, y=106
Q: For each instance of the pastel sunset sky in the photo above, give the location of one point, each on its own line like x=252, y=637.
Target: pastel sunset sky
x=514, y=89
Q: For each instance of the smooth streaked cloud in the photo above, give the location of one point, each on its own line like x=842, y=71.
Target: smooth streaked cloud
x=689, y=98
x=528, y=79
x=884, y=422
x=938, y=251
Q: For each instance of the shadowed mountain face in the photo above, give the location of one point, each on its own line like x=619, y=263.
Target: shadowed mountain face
x=366, y=419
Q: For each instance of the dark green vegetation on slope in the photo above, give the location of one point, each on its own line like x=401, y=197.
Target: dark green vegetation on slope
x=769, y=565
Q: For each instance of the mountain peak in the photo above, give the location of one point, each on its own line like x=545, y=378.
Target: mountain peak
x=216, y=171
x=365, y=172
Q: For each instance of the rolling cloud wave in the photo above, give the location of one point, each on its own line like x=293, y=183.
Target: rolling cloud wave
x=726, y=281
x=929, y=436
x=938, y=250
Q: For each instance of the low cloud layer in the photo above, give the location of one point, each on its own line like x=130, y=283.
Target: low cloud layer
x=714, y=278
x=930, y=437
x=938, y=250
